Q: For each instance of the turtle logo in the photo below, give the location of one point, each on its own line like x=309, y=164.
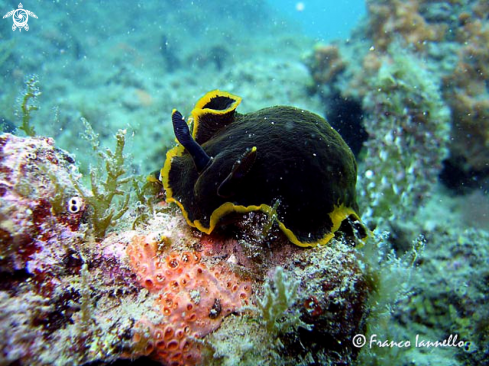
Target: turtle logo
x=20, y=17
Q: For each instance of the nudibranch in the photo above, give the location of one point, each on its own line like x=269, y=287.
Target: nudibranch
x=228, y=162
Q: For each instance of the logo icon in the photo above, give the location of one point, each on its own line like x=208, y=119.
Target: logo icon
x=20, y=17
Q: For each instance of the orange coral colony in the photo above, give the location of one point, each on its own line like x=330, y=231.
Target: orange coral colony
x=192, y=298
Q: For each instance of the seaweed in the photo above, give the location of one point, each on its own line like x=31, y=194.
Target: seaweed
x=277, y=300
x=107, y=185
x=392, y=279
x=31, y=94
x=147, y=193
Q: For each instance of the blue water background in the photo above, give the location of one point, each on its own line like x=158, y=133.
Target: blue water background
x=126, y=64
x=323, y=20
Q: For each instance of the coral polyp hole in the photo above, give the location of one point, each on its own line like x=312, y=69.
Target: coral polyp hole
x=176, y=357
x=150, y=348
x=166, y=311
x=160, y=345
x=158, y=334
x=160, y=277
x=174, y=285
x=186, y=346
x=186, y=330
x=163, y=354
x=192, y=317
x=189, y=307
x=183, y=282
x=228, y=284
x=172, y=346
x=179, y=334
x=169, y=333
x=246, y=288
x=235, y=287
x=200, y=271
x=173, y=263
x=148, y=283
x=242, y=295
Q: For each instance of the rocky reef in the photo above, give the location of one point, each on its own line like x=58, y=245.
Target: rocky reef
x=467, y=91
x=445, y=39
x=412, y=87
x=163, y=291
x=411, y=81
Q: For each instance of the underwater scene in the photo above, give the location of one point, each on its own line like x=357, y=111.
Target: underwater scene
x=244, y=182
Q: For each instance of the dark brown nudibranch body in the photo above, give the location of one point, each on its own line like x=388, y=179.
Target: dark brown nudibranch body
x=233, y=162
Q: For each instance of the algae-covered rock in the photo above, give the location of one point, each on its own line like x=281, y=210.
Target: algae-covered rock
x=166, y=292
x=40, y=211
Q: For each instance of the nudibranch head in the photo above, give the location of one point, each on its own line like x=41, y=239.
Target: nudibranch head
x=234, y=162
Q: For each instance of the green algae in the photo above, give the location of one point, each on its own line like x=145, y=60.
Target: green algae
x=31, y=94
x=107, y=184
x=408, y=126
x=277, y=300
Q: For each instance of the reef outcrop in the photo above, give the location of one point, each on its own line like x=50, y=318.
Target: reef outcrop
x=164, y=290
x=446, y=41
